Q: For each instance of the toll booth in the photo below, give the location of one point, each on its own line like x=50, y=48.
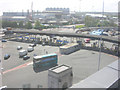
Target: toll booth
x=60, y=77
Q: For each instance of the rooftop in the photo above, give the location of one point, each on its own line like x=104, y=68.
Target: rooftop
x=69, y=45
x=60, y=68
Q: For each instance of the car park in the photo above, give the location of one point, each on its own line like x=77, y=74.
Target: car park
x=19, y=47
x=6, y=56
x=26, y=57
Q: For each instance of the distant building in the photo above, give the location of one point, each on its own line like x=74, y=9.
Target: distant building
x=15, y=13
x=15, y=16
x=63, y=10
x=50, y=14
x=97, y=15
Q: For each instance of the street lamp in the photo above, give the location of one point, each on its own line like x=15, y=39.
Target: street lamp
x=100, y=39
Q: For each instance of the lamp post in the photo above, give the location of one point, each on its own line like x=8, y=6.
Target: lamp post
x=100, y=39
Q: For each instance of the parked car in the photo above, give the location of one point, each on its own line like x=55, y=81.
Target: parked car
x=22, y=53
x=30, y=49
x=19, y=47
x=87, y=40
x=32, y=45
x=3, y=40
x=6, y=56
x=43, y=44
x=35, y=55
x=26, y=57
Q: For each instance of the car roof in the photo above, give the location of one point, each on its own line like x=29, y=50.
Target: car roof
x=7, y=54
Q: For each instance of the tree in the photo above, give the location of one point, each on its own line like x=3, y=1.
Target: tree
x=37, y=25
x=90, y=21
x=28, y=25
x=14, y=24
x=9, y=24
x=21, y=25
x=106, y=23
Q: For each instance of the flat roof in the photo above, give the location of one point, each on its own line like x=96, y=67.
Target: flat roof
x=69, y=45
x=41, y=56
x=60, y=69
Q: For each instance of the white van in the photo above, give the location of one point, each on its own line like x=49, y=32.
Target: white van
x=22, y=53
x=30, y=49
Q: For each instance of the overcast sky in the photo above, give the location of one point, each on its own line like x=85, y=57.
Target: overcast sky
x=74, y=5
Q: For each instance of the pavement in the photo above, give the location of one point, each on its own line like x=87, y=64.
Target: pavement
x=18, y=73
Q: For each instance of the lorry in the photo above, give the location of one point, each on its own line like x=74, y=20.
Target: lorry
x=22, y=53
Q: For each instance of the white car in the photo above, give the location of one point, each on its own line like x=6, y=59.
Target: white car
x=19, y=47
x=32, y=45
x=30, y=49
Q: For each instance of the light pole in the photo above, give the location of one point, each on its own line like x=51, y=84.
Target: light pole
x=80, y=6
x=100, y=39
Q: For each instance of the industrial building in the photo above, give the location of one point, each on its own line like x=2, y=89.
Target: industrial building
x=50, y=15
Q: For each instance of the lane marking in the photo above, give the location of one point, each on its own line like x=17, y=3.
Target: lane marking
x=18, y=67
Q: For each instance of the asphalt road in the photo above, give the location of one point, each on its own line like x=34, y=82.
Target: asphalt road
x=83, y=62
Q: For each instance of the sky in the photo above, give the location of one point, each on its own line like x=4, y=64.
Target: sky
x=74, y=5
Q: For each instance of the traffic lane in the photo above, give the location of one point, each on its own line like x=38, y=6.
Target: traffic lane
x=85, y=63
x=14, y=60
x=26, y=75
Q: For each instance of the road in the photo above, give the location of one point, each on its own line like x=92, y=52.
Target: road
x=83, y=62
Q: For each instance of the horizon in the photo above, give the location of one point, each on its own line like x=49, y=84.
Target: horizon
x=76, y=5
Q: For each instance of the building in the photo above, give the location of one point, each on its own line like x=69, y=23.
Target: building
x=63, y=10
x=99, y=16
x=15, y=16
x=60, y=77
